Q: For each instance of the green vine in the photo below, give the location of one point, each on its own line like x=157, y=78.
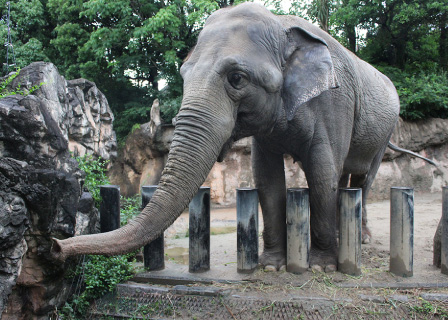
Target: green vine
x=6, y=91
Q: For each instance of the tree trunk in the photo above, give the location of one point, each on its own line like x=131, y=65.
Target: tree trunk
x=443, y=40
x=351, y=37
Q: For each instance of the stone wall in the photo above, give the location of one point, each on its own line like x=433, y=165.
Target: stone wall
x=41, y=193
x=143, y=158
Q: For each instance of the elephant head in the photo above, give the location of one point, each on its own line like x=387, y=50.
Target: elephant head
x=246, y=75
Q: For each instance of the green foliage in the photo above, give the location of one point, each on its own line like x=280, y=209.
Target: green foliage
x=100, y=275
x=422, y=95
x=6, y=88
x=130, y=207
x=95, y=170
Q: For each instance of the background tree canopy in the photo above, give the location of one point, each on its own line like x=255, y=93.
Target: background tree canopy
x=132, y=48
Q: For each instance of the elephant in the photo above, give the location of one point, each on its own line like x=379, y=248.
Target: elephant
x=295, y=90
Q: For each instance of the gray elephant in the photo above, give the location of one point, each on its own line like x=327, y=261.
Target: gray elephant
x=297, y=91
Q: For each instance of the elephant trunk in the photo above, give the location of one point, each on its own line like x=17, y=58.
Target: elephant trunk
x=200, y=133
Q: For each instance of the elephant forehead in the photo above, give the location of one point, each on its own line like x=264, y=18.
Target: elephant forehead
x=247, y=39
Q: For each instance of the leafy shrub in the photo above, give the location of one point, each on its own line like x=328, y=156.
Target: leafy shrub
x=422, y=95
x=95, y=170
x=130, y=207
x=101, y=275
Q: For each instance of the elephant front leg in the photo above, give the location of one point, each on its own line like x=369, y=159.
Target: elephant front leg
x=269, y=176
x=323, y=183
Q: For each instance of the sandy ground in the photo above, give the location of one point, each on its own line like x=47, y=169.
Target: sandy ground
x=375, y=256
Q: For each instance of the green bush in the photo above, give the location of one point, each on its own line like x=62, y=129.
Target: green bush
x=95, y=170
x=422, y=95
x=129, y=208
x=101, y=275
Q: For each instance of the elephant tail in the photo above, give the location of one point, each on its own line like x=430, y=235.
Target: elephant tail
x=398, y=149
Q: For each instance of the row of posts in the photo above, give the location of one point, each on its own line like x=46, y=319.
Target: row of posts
x=298, y=229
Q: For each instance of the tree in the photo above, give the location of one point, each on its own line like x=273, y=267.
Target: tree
x=29, y=32
x=128, y=47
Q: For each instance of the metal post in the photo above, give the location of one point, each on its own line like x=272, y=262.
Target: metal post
x=199, y=231
x=247, y=229
x=350, y=229
x=109, y=208
x=402, y=231
x=298, y=230
x=444, y=264
x=153, y=252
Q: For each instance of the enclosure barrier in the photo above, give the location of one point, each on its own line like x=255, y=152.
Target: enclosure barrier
x=153, y=252
x=444, y=260
x=199, y=231
x=247, y=229
x=402, y=231
x=350, y=230
x=297, y=230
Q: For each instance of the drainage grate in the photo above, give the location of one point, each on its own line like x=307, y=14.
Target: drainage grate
x=174, y=306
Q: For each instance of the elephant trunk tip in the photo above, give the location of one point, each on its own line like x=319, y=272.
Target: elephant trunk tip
x=56, y=250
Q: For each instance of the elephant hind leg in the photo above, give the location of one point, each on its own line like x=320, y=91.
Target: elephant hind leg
x=365, y=181
x=360, y=181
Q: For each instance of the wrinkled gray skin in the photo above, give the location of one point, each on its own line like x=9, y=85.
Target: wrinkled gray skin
x=296, y=91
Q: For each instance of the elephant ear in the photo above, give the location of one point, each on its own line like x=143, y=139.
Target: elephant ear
x=308, y=70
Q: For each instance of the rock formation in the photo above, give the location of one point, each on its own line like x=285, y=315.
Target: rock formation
x=40, y=183
x=143, y=158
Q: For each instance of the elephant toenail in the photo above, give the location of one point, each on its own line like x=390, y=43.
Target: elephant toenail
x=270, y=268
x=330, y=268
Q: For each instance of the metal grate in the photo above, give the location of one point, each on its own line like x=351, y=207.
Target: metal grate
x=173, y=306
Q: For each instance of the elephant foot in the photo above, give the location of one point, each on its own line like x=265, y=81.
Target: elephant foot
x=323, y=260
x=273, y=260
x=366, y=235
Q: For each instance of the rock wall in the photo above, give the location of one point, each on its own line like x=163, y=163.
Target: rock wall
x=143, y=158
x=40, y=184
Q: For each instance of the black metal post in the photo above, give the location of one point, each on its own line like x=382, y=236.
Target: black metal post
x=109, y=208
x=199, y=231
x=350, y=229
x=247, y=229
x=402, y=231
x=153, y=252
x=298, y=230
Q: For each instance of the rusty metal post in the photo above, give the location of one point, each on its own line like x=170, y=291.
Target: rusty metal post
x=402, y=231
x=199, y=231
x=153, y=252
x=247, y=229
x=298, y=230
x=350, y=229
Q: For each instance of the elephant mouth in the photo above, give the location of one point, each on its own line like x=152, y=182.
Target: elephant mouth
x=225, y=149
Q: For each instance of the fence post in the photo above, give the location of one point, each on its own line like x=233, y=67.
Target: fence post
x=350, y=229
x=444, y=259
x=247, y=229
x=109, y=208
x=153, y=252
x=199, y=231
x=402, y=231
x=298, y=230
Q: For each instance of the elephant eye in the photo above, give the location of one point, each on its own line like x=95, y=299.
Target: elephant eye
x=238, y=80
